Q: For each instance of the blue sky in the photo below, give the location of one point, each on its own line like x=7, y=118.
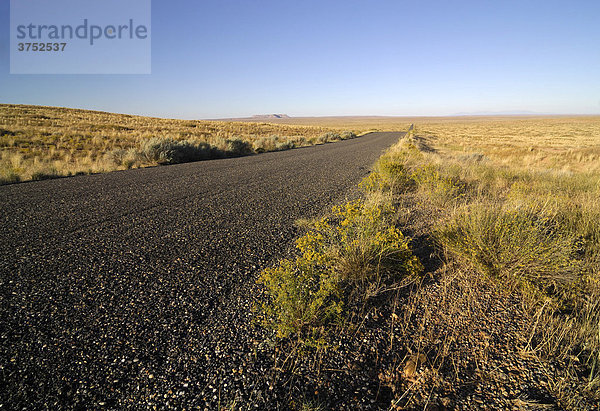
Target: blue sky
x=225, y=58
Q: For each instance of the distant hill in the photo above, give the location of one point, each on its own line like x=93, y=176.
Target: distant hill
x=257, y=117
x=499, y=113
x=269, y=116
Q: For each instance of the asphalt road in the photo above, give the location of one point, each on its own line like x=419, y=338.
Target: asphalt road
x=124, y=289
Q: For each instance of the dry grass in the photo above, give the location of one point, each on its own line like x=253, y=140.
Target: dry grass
x=522, y=223
x=567, y=143
x=41, y=142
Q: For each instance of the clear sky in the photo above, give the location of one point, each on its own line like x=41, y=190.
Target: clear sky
x=226, y=58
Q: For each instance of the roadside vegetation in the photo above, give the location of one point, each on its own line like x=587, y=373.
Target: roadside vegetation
x=346, y=259
x=492, y=256
x=46, y=142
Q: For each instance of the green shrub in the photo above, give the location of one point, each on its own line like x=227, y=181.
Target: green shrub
x=169, y=151
x=373, y=182
x=405, y=167
x=272, y=143
x=300, y=141
x=237, y=147
x=347, y=135
x=367, y=250
x=344, y=259
x=304, y=297
x=395, y=173
x=439, y=187
x=263, y=144
x=391, y=172
x=127, y=158
x=326, y=138
x=284, y=146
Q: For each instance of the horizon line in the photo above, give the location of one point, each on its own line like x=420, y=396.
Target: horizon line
x=257, y=117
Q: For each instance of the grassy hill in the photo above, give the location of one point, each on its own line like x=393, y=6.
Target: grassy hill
x=42, y=142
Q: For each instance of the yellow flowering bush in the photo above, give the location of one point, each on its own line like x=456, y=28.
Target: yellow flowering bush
x=344, y=259
x=440, y=188
x=391, y=173
x=399, y=171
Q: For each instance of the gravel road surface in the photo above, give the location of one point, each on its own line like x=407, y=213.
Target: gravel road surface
x=135, y=288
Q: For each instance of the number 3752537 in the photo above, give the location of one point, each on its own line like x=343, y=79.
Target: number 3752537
x=41, y=46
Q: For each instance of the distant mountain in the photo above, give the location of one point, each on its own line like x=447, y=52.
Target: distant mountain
x=257, y=118
x=499, y=113
x=269, y=116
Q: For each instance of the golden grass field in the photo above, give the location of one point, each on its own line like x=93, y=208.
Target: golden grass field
x=568, y=143
x=38, y=142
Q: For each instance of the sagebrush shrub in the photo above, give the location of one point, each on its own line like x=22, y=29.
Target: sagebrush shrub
x=170, y=151
x=284, y=146
x=238, y=147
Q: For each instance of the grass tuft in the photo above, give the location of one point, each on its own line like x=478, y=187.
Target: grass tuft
x=525, y=245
